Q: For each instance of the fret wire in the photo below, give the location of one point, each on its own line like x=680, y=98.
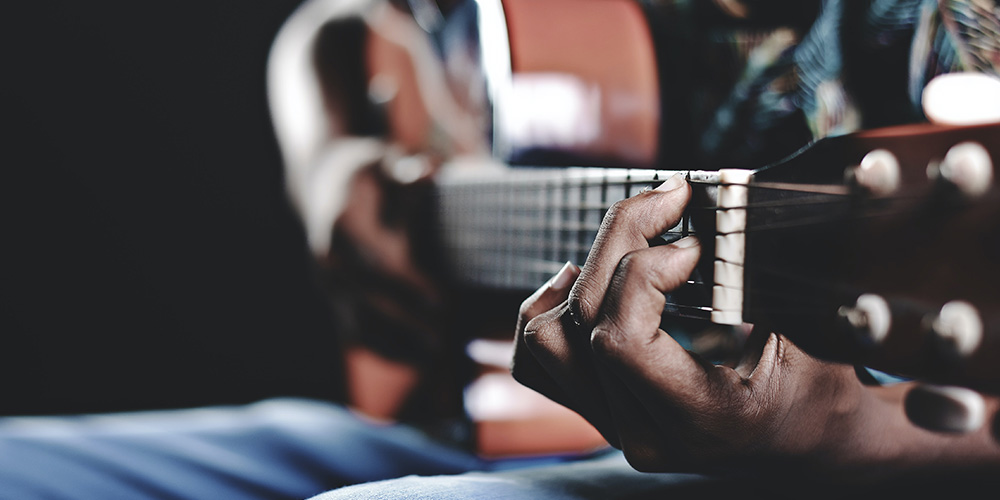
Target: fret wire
x=581, y=256
x=512, y=231
x=486, y=192
x=554, y=221
x=538, y=253
x=604, y=195
x=508, y=245
x=565, y=195
x=519, y=232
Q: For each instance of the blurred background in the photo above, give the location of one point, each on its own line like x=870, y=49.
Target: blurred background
x=150, y=258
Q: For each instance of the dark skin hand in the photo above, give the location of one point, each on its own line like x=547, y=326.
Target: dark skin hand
x=592, y=341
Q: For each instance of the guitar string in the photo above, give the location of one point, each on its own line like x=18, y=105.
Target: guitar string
x=820, y=199
x=528, y=222
x=536, y=235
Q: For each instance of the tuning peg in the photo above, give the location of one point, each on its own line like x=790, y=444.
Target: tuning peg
x=945, y=408
x=958, y=326
x=878, y=173
x=968, y=167
x=870, y=317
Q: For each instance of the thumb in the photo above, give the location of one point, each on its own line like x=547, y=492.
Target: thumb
x=945, y=408
x=549, y=295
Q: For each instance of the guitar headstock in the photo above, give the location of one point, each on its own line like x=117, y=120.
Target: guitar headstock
x=882, y=248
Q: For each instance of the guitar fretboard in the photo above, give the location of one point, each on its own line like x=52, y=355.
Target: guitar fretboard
x=513, y=228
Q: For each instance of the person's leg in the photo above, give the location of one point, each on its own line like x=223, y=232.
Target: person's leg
x=273, y=449
x=606, y=478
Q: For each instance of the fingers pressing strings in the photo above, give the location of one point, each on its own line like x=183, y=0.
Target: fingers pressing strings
x=628, y=336
x=628, y=339
x=628, y=225
x=559, y=340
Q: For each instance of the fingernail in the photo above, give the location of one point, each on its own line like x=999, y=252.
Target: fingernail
x=675, y=181
x=564, y=277
x=687, y=242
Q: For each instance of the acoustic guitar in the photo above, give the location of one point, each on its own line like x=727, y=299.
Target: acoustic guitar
x=874, y=248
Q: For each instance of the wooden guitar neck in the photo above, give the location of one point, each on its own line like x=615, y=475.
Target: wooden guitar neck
x=513, y=228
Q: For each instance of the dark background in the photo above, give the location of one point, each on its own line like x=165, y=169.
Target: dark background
x=149, y=256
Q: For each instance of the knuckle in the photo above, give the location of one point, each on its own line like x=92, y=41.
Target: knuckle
x=620, y=212
x=538, y=332
x=605, y=342
x=581, y=309
x=635, y=265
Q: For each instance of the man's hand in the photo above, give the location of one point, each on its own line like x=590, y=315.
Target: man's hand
x=597, y=347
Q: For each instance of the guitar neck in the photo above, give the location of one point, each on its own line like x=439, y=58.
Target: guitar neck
x=513, y=228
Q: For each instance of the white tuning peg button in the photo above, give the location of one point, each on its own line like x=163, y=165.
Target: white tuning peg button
x=869, y=315
x=959, y=323
x=878, y=172
x=968, y=166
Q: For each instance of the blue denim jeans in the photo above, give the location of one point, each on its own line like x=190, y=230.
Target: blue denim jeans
x=276, y=449
x=606, y=477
